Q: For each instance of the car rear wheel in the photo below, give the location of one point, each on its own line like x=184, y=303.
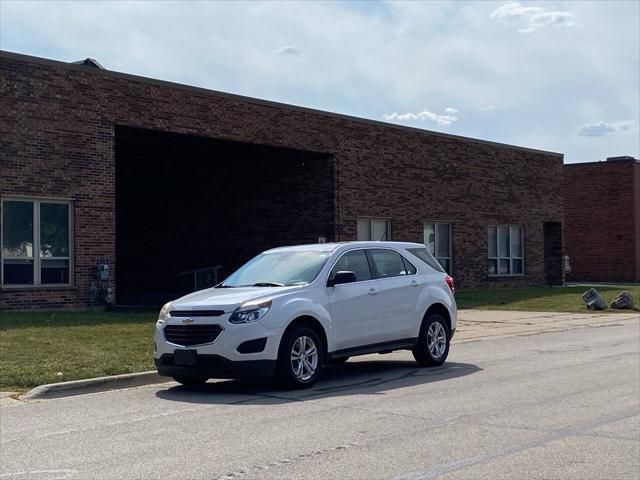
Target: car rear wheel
x=191, y=381
x=300, y=358
x=432, y=348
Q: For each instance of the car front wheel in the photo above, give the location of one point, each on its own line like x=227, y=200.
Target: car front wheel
x=300, y=358
x=432, y=348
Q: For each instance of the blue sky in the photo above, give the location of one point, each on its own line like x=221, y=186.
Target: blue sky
x=560, y=76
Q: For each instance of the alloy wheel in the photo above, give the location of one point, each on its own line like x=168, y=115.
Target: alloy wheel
x=436, y=340
x=304, y=358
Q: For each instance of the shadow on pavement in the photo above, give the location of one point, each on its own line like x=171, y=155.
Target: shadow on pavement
x=358, y=377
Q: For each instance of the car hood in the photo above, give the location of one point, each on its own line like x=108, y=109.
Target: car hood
x=227, y=299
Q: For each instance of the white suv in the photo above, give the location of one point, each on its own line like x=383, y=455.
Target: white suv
x=290, y=310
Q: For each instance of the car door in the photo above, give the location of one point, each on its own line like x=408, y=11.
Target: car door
x=355, y=309
x=397, y=296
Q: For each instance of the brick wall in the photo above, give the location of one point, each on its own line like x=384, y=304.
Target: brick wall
x=602, y=229
x=57, y=137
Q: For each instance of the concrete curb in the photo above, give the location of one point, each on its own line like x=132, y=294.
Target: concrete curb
x=93, y=385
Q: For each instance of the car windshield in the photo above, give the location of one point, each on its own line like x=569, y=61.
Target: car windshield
x=278, y=269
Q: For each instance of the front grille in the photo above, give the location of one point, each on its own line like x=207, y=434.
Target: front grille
x=196, y=313
x=188, y=335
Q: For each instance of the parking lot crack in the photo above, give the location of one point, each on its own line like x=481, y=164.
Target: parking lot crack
x=283, y=461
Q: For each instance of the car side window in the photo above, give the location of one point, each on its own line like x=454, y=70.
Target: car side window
x=424, y=255
x=388, y=263
x=354, y=261
x=411, y=269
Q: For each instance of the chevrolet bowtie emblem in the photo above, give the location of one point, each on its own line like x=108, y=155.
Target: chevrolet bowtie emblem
x=187, y=321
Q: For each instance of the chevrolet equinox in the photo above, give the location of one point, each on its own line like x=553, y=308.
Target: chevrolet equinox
x=291, y=310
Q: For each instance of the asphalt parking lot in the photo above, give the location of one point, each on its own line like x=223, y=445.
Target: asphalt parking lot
x=522, y=396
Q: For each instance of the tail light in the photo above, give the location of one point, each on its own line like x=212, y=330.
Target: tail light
x=450, y=284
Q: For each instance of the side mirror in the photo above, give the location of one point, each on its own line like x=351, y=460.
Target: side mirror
x=342, y=277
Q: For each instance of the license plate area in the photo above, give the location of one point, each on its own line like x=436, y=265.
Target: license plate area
x=185, y=358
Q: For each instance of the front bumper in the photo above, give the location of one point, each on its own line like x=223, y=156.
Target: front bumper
x=215, y=366
x=221, y=357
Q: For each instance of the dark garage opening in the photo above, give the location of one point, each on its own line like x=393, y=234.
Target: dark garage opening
x=186, y=203
x=553, y=263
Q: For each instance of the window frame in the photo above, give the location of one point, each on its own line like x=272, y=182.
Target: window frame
x=435, y=243
x=511, y=258
x=369, y=219
x=37, y=258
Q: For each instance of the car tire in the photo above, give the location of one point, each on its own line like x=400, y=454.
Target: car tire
x=191, y=381
x=432, y=348
x=338, y=361
x=295, y=368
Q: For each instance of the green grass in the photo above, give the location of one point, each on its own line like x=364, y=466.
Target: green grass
x=539, y=299
x=47, y=347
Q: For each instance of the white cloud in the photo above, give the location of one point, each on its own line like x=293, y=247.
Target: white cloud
x=530, y=19
x=543, y=87
x=451, y=110
x=425, y=114
x=488, y=108
x=601, y=128
x=287, y=50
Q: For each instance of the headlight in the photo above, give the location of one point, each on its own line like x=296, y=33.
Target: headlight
x=164, y=312
x=250, y=312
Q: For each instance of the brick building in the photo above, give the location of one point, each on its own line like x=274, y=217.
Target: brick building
x=602, y=220
x=157, y=179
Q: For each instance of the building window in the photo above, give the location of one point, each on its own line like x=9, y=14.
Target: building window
x=437, y=238
x=378, y=229
x=36, y=242
x=505, y=250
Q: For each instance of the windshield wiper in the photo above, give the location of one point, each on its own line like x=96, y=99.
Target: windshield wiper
x=258, y=284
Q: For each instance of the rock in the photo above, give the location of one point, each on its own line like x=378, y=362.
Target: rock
x=594, y=300
x=623, y=300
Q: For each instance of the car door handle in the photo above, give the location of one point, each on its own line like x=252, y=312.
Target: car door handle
x=373, y=291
